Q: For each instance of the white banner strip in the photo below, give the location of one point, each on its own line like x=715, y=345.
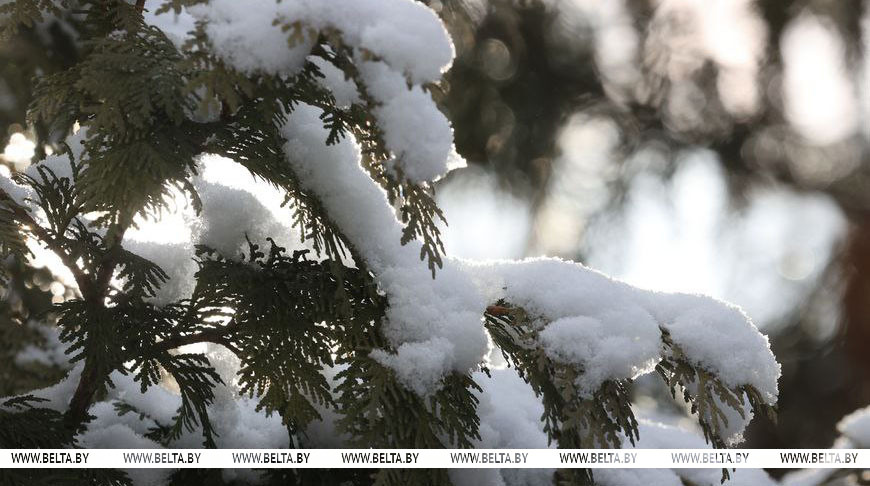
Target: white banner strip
x=435, y=458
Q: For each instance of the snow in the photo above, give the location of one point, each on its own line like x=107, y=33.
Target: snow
x=658, y=436
x=59, y=163
x=175, y=26
x=510, y=418
x=234, y=205
x=611, y=329
x=414, y=129
x=52, y=352
x=584, y=318
x=433, y=336
x=408, y=41
x=228, y=215
x=607, y=327
x=59, y=394
x=604, y=348
x=856, y=427
x=718, y=337
x=243, y=35
x=120, y=436
x=405, y=34
x=343, y=89
x=157, y=402
x=176, y=259
x=17, y=192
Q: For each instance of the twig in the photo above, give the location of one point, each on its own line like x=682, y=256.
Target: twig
x=91, y=379
x=218, y=335
x=498, y=310
x=53, y=244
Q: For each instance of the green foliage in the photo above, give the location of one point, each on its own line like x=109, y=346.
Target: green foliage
x=12, y=242
x=289, y=313
x=302, y=326
x=46, y=429
x=45, y=426
x=575, y=422
x=378, y=412
x=130, y=93
x=707, y=394
x=25, y=13
x=572, y=421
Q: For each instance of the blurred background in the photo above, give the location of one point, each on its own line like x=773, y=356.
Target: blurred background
x=711, y=146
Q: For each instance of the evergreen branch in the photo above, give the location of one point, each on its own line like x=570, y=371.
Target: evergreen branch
x=93, y=375
x=217, y=335
x=417, y=209
x=53, y=244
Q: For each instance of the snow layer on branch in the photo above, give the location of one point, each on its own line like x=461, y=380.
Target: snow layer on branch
x=121, y=436
x=856, y=427
x=176, y=259
x=415, y=131
x=405, y=34
x=343, y=89
x=243, y=35
x=718, y=337
x=175, y=26
x=229, y=215
x=59, y=394
x=611, y=329
x=434, y=335
x=17, y=192
x=608, y=328
x=408, y=41
x=591, y=320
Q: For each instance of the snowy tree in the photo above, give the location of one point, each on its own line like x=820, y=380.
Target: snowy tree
x=309, y=301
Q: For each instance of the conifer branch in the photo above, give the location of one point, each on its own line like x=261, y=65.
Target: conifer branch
x=91, y=379
x=52, y=243
x=84, y=394
x=90, y=290
x=498, y=310
x=110, y=260
x=217, y=335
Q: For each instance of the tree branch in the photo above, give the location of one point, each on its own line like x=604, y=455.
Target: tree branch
x=25, y=219
x=218, y=335
x=91, y=379
x=498, y=310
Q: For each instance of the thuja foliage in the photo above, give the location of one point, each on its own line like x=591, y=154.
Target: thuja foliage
x=582, y=423
x=149, y=109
